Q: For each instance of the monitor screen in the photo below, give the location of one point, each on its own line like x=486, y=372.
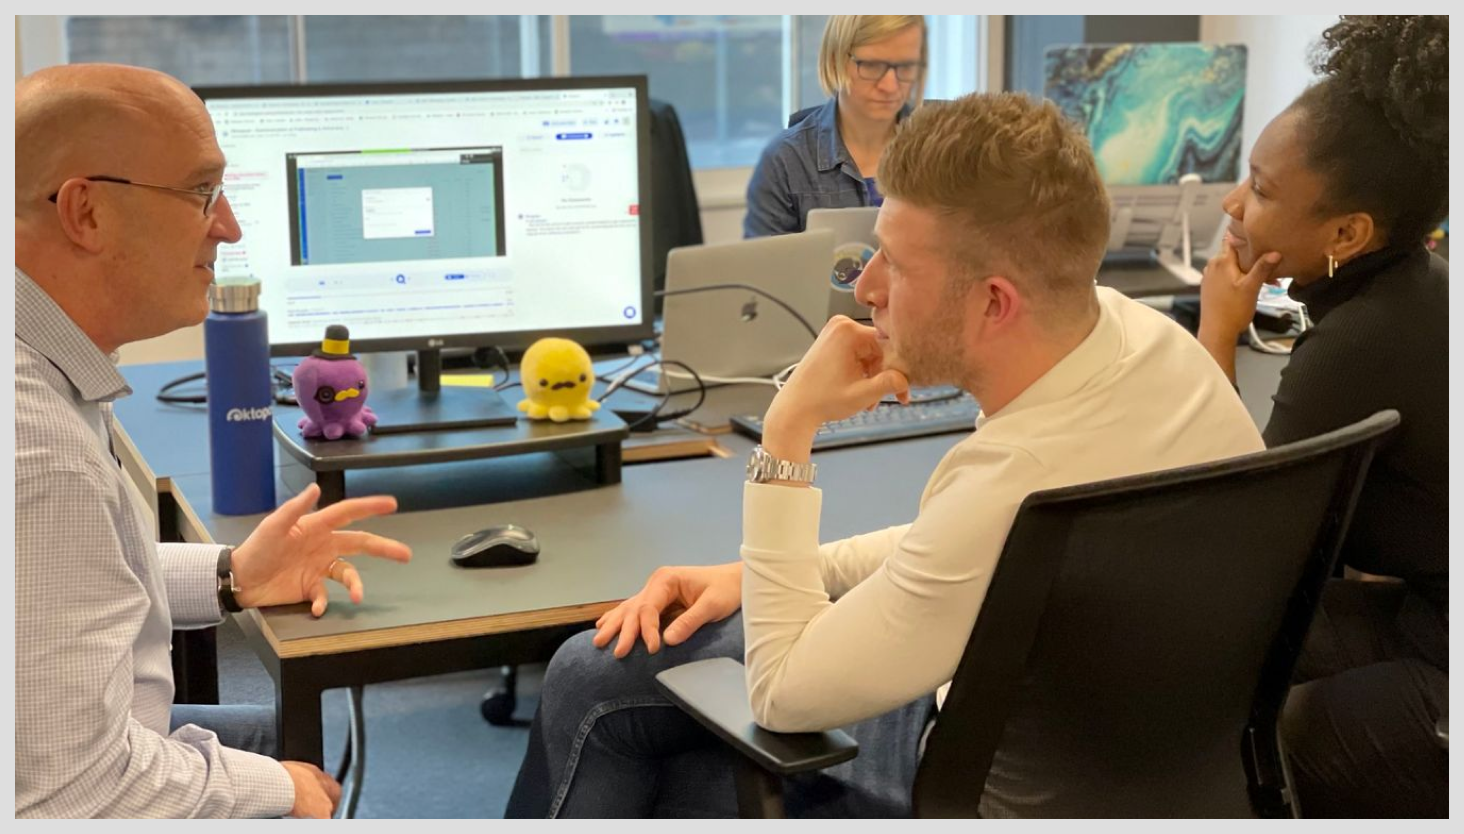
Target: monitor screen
x=1154, y=111
x=431, y=215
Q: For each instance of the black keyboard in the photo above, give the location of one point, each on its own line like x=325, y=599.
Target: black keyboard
x=931, y=411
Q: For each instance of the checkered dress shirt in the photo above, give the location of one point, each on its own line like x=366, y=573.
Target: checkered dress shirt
x=96, y=600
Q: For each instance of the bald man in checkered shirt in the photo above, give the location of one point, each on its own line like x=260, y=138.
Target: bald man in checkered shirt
x=119, y=212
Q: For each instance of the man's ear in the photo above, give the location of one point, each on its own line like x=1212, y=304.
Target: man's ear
x=1002, y=302
x=77, y=211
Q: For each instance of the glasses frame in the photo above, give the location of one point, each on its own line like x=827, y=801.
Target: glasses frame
x=912, y=68
x=210, y=195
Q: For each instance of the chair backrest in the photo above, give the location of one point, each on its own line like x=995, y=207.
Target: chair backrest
x=1138, y=638
x=675, y=214
x=799, y=116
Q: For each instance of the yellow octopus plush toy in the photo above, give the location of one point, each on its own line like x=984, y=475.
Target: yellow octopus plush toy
x=557, y=376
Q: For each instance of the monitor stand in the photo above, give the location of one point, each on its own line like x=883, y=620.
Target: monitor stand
x=1177, y=256
x=431, y=407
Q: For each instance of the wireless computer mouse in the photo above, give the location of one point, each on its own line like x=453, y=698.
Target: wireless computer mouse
x=506, y=545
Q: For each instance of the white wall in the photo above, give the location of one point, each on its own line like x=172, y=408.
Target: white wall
x=1277, y=61
x=722, y=195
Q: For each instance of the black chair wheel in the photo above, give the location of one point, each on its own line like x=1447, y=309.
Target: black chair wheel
x=497, y=708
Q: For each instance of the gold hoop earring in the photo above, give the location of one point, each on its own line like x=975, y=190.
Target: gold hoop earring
x=1331, y=266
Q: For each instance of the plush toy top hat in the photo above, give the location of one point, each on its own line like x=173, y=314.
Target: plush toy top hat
x=335, y=345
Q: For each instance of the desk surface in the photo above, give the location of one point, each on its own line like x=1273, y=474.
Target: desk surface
x=598, y=543
x=598, y=546
x=1140, y=280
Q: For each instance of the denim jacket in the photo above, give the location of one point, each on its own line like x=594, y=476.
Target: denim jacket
x=806, y=167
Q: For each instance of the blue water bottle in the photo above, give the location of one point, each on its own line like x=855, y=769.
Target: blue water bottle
x=240, y=422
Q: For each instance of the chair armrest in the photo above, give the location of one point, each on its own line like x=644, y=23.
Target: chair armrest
x=714, y=692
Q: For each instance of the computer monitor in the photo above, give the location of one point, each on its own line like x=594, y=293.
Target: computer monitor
x=1165, y=123
x=428, y=215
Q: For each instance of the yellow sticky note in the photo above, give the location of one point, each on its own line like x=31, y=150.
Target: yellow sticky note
x=468, y=380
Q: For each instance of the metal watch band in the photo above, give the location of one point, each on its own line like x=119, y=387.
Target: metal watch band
x=226, y=586
x=763, y=467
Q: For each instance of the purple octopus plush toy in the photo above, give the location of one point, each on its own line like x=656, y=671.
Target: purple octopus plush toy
x=330, y=385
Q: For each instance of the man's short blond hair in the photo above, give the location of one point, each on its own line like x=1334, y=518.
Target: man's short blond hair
x=1019, y=183
x=843, y=33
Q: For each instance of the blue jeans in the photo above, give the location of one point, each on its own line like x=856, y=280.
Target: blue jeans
x=240, y=726
x=606, y=743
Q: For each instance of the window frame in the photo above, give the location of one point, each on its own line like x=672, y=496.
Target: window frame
x=41, y=42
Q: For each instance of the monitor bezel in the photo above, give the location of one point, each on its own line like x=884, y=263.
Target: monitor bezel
x=601, y=337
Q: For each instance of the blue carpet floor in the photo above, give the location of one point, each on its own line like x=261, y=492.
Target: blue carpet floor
x=429, y=753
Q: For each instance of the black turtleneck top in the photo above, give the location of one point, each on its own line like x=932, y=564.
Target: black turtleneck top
x=1380, y=339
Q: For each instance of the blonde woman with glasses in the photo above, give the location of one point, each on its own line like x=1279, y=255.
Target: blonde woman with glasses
x=873, y=67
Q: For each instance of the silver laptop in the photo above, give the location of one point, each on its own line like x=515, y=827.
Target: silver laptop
x=854, y=245
x=734, y=333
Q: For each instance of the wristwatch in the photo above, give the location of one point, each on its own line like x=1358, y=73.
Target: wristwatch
x=226, y=586
x=763, y=467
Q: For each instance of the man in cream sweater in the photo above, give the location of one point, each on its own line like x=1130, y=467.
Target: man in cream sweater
x=993, y=227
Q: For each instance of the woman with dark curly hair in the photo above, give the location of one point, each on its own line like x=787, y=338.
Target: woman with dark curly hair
x=1344, y=186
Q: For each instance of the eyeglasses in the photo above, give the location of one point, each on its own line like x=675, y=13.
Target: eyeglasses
x=210, y=195
x=875, y=70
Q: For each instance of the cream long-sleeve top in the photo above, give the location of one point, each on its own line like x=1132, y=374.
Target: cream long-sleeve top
x=855, y=628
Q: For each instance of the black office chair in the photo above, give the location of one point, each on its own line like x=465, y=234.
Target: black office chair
x=795, y=118
x=675, y=212
x=675, y=218
x=1131, y=657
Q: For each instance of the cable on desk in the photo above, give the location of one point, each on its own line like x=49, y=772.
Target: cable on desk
x=635, y=356
x=1259, y=344
x=813, y=331
x=164, y=395
x=781, y=377
x=495, y=357
x=727, y=380
x=498, y=359
x=654, y=415
x=281, y=387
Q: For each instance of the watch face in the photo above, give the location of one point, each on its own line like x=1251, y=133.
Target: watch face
x=757, y=465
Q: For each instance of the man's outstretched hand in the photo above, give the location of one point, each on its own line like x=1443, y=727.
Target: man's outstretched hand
x=293, y=551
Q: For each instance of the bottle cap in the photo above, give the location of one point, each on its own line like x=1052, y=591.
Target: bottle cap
x=234, y=295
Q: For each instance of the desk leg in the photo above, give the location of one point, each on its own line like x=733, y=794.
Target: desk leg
x=332, y=487
x=297, y=719
x=607, y=463
x=196, y=666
